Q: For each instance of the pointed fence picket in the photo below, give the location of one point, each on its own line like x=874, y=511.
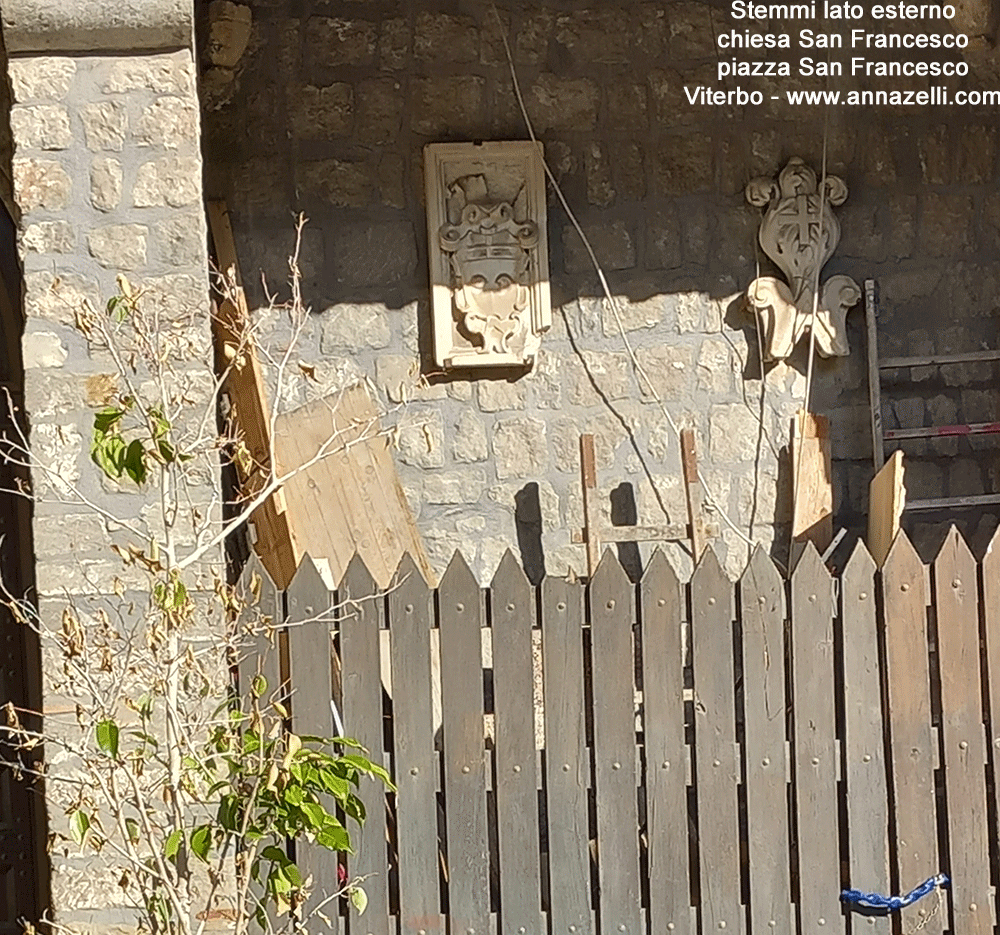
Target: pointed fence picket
x=793, y=753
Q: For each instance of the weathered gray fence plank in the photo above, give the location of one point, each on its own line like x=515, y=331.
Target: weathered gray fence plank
x=867, y=791
x=963, y=741
x=666, y=750
x=991, y=607
x=612, y=610
x=460, y=623
x=566, y=762
x=309, y=673
x=816, y=767
x=416, y=798
x=717, y=768
x=513, y=617
x=914, y=845
x=762, y=599
x=260, y=621
x=360, y=622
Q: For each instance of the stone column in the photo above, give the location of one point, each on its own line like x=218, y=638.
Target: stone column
x=107, y=180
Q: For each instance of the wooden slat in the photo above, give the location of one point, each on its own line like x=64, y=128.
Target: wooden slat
x=360, y=623
x=874, y=379
x=612, y=601
x=991, y=609
x=816, y=768
x=890, y=363
x=812, y=519
x=591, y=510
x=567, y=765
x=907, y=675
x=717, y=764
x=762, y=598
x=886, y=502
x=513, y=616
x=460, y=622
x=666, y=751
x=414, y=761
x=309, y=661
x=694, y=494
x=945, y=503
x=351, y=501
x=963, y=740
x=867, y=793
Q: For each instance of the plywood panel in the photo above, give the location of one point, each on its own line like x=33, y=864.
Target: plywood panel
x=812, y=520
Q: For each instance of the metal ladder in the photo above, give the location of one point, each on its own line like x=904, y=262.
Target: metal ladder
x=880, y=436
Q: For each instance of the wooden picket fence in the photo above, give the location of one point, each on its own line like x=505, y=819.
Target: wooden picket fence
x=664, y=758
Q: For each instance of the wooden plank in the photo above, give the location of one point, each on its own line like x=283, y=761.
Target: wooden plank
x=414, y=761
x=666, y=751
x=991, y=610
x=944, y=431
x=460, y=622
x=812, y=519
x=351, y=501
x=762, y=599
x=567, y=765
x=360, y=626
x=816, y=767
x=886, y=502
x=914, y=847
x=891, y=363
x=694, y=494
x=867, y=792
x=874, y=379
x=717, y=767
x=513, y=616
x=612, y=612
x=591, y=510
x=963, y=736
x=945, y=503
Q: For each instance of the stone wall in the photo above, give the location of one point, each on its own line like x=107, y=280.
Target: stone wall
x=327, y=111
x=106, y=180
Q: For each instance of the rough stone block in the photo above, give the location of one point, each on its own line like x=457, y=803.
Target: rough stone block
x=41, y=183
x=612, y=244
x=105, y=125
x=447, y=487
x=697, y=312
x=663, y=240
x=392, y=180
x=598, y=376
x=170, y=122
x=164, y=74
x=58, y=449
x=691, y=30
x=627, y=106
x=545, y=381
x=119, y=246
x=531, y=44
x=519, y=448
x=469, y=443
x=341, y=183
x=49, y=237
x=354, y=327
x=229, y=32
x=420, y=439
x=436, y=102
x=564, y=437
x=669, y=368
x=590, y=36
x=57, y=296
x=394, y=43
x=375, y=253
x=682, y=165
x=380, y=110
x=499, y=395
x=563, y=104
x=946, y=224
x=42, y=349
x=600, y=190
x=321, y=112
x=106, y=183
x=334, y=41
x=718, y=367
x=41, y=126
x=46, y=78
x=181, y=240
x=172, y=180
x=976, y=154
x=991, y=219
x=441, y=37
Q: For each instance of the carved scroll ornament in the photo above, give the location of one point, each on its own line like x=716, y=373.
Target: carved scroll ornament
x=800, y=240
x=488, y=255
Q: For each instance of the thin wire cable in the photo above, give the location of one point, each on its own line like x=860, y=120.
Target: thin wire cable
x=751, y=543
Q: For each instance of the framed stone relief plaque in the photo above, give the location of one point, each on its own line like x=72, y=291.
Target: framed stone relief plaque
x=488, y=252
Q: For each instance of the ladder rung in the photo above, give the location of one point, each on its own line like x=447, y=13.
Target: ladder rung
x=891, y=363
x=984, y=499
x=943, y=431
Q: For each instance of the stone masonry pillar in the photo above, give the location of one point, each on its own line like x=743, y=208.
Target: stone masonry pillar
x=107, y=179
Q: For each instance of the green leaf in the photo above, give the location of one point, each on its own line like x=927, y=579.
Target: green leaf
x=293, y=874
x=173, y=844
x=180, y=593
x=359, y=899
x=107, y=737
x=317, y=815
x=79, y=825
x=106, y=419
x=274, y=853
x=108, y=453
x=134, y=461
x=335, y=838
x=201, y=842
x=132, y=828
x=259, y=685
